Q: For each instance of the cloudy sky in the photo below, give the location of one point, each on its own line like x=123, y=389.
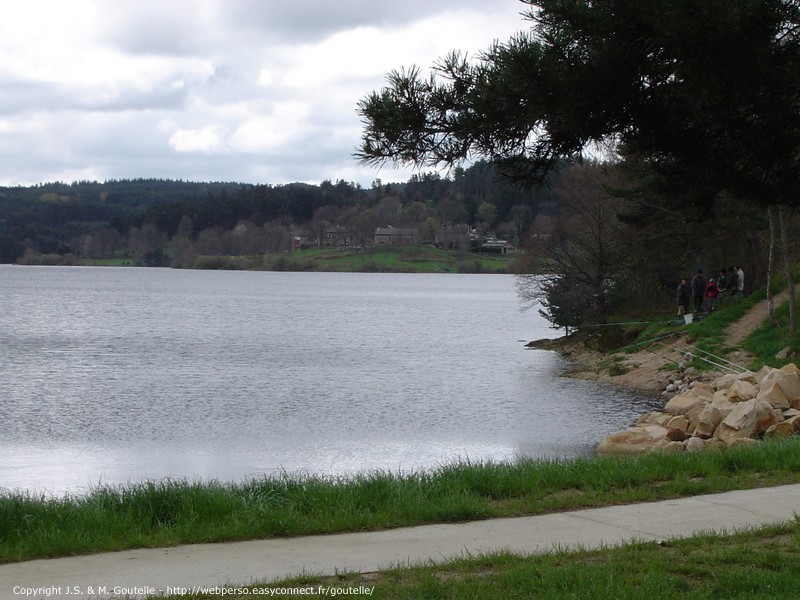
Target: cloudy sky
x=257, y=91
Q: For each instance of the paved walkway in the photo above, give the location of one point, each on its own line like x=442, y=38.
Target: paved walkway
x=153, y=571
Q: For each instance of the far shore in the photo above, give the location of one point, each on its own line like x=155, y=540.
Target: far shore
x=406, y=259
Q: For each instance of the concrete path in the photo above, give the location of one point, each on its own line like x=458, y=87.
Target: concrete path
x=139, y=572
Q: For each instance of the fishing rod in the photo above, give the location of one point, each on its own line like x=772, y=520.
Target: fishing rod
x=738, y=369
x=657, y=341
x=743, y=369
x=718, y=366
x=667, y=358
x=661, y=337
x=629, y=323
x=644, y=347
x=721, y=365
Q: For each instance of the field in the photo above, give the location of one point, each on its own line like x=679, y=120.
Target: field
x=409, y=259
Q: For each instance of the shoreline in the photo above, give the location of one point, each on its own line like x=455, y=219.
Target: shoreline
x=642, y=371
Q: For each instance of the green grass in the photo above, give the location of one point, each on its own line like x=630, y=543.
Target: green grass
x=763, y=563
x=409, y=259
x=176, y=512
x=771, y=338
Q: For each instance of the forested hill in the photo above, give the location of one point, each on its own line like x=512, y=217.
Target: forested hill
x=55, y=218
x=47, y=217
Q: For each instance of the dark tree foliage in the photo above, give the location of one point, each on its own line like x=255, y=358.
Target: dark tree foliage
x=701, y=98
x=707, y=92
x=48, y=218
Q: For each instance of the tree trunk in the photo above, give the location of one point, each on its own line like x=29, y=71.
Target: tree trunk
x=770, y=265
x=787, y=271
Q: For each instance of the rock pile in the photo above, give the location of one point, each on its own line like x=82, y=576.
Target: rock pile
x=732, y=410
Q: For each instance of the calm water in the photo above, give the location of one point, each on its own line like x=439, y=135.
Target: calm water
x=121, y=374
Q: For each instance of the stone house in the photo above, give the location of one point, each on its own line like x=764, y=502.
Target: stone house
x=336, y=236
x=396, y=236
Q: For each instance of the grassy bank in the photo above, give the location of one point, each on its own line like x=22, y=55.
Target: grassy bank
x=406, y=259
x=173, y=512
x=708, y=334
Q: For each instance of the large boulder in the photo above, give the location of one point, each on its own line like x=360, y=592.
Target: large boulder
x=727, y=380
x=741, y=390
x=763, y=372
x=654, y=418
x=785, y=428
x=704, y=390
x=695, y=444
x=634, y=440
x=683, y=403
x=667, y=445
x=712, y=415
x=678, y=422
x=748, y=419
x=693, y=416
x=790, y=369
x=788, y=379
x=773, y=393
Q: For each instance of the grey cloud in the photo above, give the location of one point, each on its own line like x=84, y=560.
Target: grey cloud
x=309, y=20
x=160, y=98
x=17, y=96
x=157, y=27
x=183, y=27
x=30, y=96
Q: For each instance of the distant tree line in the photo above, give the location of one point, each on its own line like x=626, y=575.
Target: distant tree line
x=156, y=221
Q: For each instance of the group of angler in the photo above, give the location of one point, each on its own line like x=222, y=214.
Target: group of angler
x=710, y=293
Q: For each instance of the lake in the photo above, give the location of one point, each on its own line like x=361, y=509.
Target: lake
x=116, y=375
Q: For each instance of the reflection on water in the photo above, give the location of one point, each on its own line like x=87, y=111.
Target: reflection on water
x=117, y=375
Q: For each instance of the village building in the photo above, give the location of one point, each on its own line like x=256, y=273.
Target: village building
x=336, y=236
x=492, y=246
x=396, y=236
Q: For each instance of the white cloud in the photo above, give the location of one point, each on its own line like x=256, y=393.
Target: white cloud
x=236, y=90
x=206, y=140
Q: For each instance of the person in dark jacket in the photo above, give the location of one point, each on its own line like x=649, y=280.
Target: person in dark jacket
x=684, y=295
x=698, y=289
x=721, y=287
x=732, y=283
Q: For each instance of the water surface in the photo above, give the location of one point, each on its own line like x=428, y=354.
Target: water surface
x=114, y=375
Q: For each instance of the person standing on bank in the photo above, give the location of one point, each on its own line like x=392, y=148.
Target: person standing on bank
x=698, y=289
x=721, y=287
x=684, y=294
x=732, y=283
x=712, y=293
x=740, y=283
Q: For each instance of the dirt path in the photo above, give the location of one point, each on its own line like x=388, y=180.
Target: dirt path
x=738, y=331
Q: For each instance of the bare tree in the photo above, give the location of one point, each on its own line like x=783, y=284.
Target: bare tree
x=585, y=252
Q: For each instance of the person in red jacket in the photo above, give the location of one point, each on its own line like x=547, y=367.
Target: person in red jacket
x=712, y=295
